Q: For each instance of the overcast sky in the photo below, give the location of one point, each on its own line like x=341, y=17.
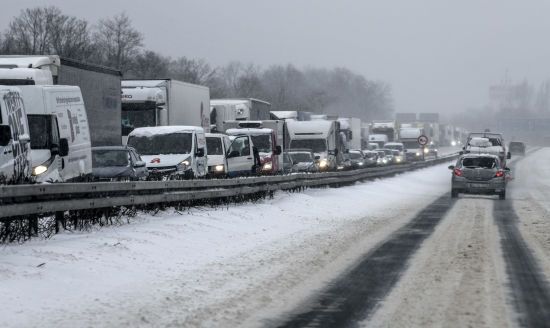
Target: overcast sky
x=438, y=55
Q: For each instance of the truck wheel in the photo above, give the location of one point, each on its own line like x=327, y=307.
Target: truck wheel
x=502, y=195
x=454, y=193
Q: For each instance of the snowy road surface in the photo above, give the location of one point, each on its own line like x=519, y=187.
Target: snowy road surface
x=388, y=253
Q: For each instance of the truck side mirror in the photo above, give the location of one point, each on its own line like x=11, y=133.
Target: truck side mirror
x=139, y=164
x=278, y=150
x=200, y=152
x=63, y=149
x=451, y=167
x=317, y=157
x=5, y=135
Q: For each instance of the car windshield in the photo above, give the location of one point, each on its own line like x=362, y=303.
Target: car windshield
x=388, y=151
x=479, y=162
x=162, y=144
x=301, y=157
x=355, y=156
x=109, y=157
x=262, y=143
x=316, y=145
x=370, y=155
x=214, y=145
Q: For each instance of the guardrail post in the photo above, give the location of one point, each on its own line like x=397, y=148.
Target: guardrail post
x=60, y=219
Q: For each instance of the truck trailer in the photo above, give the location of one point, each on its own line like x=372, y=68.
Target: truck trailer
x=164, y=102
x=100, y=87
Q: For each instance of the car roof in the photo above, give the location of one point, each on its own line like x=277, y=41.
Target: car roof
x=113, y=148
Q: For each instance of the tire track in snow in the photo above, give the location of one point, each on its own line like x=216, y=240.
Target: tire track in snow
x=530, y=290
x=352, y=296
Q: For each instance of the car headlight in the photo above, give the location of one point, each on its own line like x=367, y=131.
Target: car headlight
x=384, y=161
x=453, y=143
x=183, y=165
x=426, y=150
x=360, y=163
x=219, y=168
x=398, y=159
x=417, y=153
x=323, y=163
x=39, y=169
x=340, y=167
x=267, y=166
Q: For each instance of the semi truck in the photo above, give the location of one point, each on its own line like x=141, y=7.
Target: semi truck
x=384, y=127
x=163, y=102
x=100, y=87
x=351, y=127
x=322, y=137
x=240, y=109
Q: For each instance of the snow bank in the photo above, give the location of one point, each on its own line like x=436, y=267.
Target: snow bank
x=113, y=276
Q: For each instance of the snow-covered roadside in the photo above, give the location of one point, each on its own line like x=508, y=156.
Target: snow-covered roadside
x=208, y=267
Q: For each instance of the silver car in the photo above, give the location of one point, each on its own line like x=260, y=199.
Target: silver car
x=479, y=174
x=117, y=163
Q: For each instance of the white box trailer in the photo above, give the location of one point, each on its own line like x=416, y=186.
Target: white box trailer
x=239, y=109
x=100, y=87
x=164, y=102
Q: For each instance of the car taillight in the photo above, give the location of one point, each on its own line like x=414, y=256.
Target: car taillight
x=499, y=174
x=457, y=172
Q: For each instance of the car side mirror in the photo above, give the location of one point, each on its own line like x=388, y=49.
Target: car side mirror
x=5, y=135
x=63, y=149
x=461, y=153
x=507, y=169
x=509, y=155
x=234, y=153
x=317, y=157
x=278, y=150
x=463, y=148
x=451, y=167
x=200, y=152
x=139, y=164
x=24, y=138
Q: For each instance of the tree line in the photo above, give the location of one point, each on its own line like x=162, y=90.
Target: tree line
x=116, y=43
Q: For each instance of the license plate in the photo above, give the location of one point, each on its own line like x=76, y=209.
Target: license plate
x=478, y=185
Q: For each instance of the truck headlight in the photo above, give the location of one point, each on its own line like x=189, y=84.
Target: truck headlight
x=267, y=166
x=39, y=169
x=218, y=168
x=426, y=150
x=398, y=159
x=417, y=153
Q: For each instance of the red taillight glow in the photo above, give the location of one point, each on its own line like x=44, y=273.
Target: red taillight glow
x=499, y=174
x=457, y=172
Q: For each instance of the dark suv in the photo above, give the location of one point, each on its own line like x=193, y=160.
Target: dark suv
x=517, y=148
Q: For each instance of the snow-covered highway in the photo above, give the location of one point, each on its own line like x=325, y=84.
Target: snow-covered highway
x=392, y=252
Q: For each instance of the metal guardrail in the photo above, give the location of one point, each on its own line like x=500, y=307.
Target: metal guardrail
x=24, y=200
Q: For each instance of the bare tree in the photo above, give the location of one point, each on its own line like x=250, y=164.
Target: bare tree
x=196, y=71
x=70, y=37
x=119, y=42
x=149, y=65
x=29, y=33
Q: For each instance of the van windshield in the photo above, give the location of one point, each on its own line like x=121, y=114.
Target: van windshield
x=411, y=144
x=162, y=144
x=301, y=157
x=262, y=143
x=41, y=131
x=316, y=145
x=395, y=147
x=214, y=145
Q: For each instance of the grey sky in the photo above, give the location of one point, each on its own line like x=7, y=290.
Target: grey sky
x=438, y=55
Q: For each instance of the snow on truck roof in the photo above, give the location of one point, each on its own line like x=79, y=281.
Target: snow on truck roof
x=309, y=129
x=158, y=83
x=236, y=101
x=156, y=130
x=29, y=61
x=250, y=131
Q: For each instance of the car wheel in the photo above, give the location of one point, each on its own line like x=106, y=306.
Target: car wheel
x=502, y=195
x=454, y=193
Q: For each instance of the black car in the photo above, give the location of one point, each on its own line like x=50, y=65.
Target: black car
x=517, y=148
x=117, y=163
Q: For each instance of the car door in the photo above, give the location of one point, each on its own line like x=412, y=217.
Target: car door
x=239, y=156
x=140, y=171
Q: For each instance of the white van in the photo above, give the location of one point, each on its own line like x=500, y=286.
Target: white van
x=15, y=151
x=60, y=138
x=230, y=155
x=171, y=151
